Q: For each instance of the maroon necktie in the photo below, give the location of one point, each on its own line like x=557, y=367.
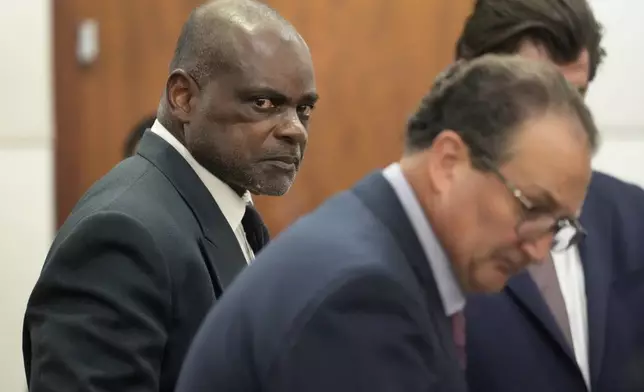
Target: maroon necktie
x=458, y=332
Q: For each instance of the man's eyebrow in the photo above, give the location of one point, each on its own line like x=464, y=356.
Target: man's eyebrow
x=310, y=98
x=261, y=92
x=268, y=92
x=545, y=200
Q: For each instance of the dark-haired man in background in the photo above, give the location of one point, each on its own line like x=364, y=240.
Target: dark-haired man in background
x=150, y=246
x=575, y=322
x=366, y=293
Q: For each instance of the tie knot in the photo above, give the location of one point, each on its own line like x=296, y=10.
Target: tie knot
x=256, y=232
x=250, y=212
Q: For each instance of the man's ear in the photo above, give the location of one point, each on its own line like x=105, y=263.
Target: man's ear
x=181, y=94
x=448, y=153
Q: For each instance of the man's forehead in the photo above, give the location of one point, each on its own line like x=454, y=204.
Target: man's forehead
x=274, y=62
x=563, y=168
x=266, y=39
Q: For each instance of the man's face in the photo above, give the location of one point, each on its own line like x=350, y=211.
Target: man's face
x=249, y=126
x=550, y=165
x=577, y=72
x=557, y=185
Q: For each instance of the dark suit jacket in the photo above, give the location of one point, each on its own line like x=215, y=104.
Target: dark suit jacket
x=342, y=301
x=513, y=342
x=129, y=278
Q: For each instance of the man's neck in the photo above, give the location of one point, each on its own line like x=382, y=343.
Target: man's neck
x=414, y=168
x=174, y=127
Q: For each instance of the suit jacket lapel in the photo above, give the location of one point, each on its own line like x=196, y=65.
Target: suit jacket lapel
x=377, y=194
x=525, y=291
x=596, y=257
x=219, y=247
x=595, y=253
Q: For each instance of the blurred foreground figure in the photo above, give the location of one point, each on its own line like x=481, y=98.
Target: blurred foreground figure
x=366, y=293
x=573, y=323
x=152, y=245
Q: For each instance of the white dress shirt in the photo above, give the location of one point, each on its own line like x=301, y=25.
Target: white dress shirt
x=570, y=273
x=452, y=297
x=232, y=206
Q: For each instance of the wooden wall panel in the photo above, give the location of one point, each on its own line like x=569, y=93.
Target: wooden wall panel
x=374, y=60
x=96, y=106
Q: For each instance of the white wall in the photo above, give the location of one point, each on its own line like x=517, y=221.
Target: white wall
x=617, y=95
x=26, y=169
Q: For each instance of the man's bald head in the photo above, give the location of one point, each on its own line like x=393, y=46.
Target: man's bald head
x=240, y=94
x=215, y=33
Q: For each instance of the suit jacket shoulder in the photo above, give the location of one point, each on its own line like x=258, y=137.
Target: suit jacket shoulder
x=331, y=304
x=615, y=209
x=128, y=279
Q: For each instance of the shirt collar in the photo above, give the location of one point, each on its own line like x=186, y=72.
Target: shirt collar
x=230, y=203
x=450, y=292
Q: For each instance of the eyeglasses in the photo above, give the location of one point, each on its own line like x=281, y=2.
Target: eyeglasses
x=567, y=231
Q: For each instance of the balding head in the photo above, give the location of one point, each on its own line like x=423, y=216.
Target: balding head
x=216, y=32
x=239, y=95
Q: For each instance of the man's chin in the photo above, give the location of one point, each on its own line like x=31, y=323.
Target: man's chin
x=272, y=187
x=492, y=280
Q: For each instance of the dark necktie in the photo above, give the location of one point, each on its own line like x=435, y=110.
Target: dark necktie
x=256, y=231
x=458, y=332
x=545, y=276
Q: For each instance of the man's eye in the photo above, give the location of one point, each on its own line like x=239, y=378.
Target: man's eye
x=537, y=211
x=263, y=103
x=305, y=110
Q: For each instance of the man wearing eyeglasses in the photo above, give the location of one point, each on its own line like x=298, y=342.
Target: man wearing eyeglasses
x=573, y=323
x=366, y=293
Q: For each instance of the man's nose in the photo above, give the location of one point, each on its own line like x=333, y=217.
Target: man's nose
x=292, y=129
